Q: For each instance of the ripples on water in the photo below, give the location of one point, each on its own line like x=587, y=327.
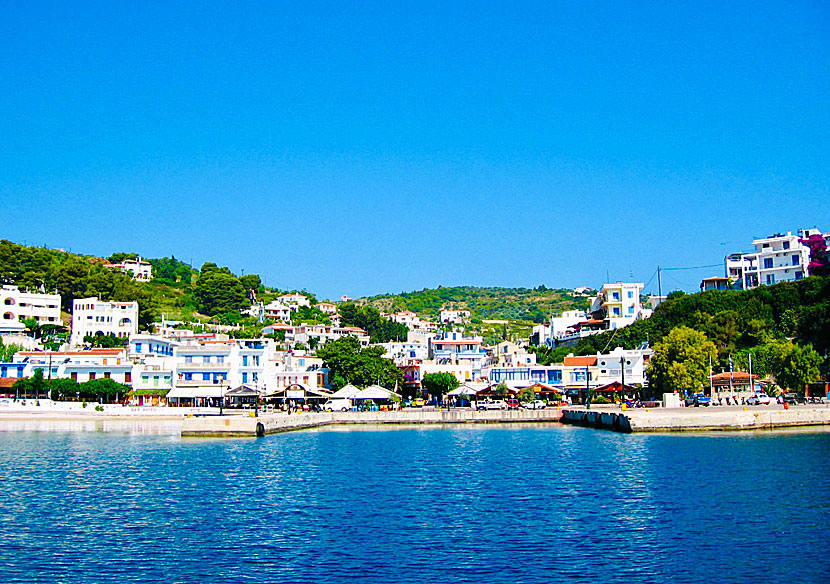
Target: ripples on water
x=467, y=504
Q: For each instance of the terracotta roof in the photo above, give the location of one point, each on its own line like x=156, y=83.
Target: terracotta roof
x=740, y=376
x=587, y=360
x=6, y=382
x=92, y=352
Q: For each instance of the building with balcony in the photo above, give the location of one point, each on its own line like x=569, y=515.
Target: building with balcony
x=91, y=317
x=777, y=258
x=17, y=304
x=618, y=305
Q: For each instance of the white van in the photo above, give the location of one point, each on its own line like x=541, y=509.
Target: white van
x=338, y=405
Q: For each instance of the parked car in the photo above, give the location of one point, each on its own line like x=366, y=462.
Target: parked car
x=496, y=404
x=338, y=405
x=418, y=403
x=758, y=399
x=536, y=404
x=698, y=399
x=513, y=403
x=794, y=398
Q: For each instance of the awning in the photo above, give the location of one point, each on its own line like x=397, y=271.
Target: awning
x=197, y=392
x=375, y=392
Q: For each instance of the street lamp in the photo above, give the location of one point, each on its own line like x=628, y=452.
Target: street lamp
x=221, y=396
x=622, y=374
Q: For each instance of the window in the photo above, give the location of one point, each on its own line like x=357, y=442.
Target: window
x=616, y=311
x=138, y=347
x=205, y=376
x=244, y=378
x=615, y=296
x=244, y=360
x=767, y=263
x=770, y=279
x=795, y=260
x=4, y=371
x=188, y=359
x=106, y=374
x=631, y=309
x=206, y=359
x=128, y=377
x=91, y=375
x=786, y=245
x=188, y=377
x=630, y=294
x=74, y=376
x=799, y=275
x=220, y=359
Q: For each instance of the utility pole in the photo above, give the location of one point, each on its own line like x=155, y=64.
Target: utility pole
x=659, y=285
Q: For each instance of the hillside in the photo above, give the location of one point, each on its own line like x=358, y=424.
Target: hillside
x=738, y=322
x=521, y=304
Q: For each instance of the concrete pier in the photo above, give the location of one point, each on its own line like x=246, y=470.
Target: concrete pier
x=703, y=419
x=238, y=425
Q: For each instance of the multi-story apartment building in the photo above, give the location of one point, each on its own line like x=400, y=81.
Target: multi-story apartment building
x=453, y=348
x=777, y=258
x=17, y=304
x=92, y=317
x=619, y=305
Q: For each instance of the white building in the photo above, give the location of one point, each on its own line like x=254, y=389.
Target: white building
x=633, y=362
x=294, y=299
x=777, y=258
x=79, y=365
x=17, y=305
x=509, y=354
x=454, y=316
x=619, y=305
x=277, y=310
x=137, y=268
x=92, y=317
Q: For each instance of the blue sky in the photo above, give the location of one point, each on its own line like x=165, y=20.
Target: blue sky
x=367, y=149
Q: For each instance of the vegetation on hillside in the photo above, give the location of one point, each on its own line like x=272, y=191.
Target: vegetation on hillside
x=523, y=304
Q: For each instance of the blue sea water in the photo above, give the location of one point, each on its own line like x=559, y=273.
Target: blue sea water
x=460, y=504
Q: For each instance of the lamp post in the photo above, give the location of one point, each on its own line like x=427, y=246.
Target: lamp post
x=587, y=388
x=622, y=374
x=221, y=396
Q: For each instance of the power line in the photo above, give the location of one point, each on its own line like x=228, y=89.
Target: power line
x=695, y=267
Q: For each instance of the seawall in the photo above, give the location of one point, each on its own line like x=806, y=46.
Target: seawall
x=714, y=418
x=236, y=425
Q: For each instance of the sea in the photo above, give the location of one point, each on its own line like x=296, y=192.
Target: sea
x=99, y=502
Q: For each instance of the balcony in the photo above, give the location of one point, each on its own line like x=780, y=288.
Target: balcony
x=203, y=366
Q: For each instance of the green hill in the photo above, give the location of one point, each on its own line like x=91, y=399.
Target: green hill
x=522, y=304
x=738, y=322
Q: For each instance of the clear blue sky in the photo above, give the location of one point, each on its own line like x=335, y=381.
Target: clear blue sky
x=367, y=149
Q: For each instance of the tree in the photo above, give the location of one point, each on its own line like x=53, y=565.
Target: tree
x=251, y=282
x=104, y=389
x=34, y=386
x=8, y=351
x=109, y=341
x=681, y=362
x=439, y=384
x=527, y=395
x=380, y=329
x=217, y=290
x=361, y=366
x=799, y=367
x=64, y=388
